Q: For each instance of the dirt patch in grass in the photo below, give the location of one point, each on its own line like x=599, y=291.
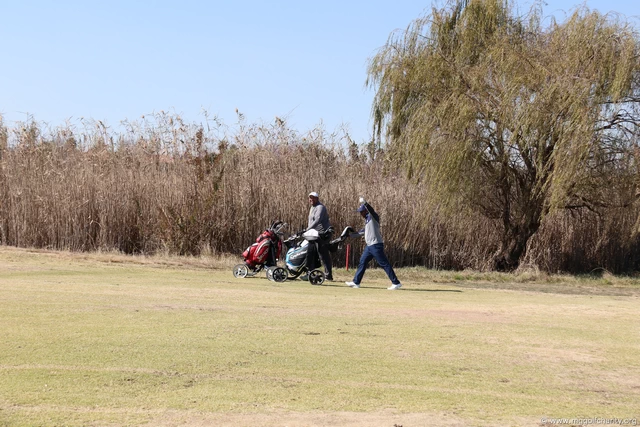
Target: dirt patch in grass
x=315, y=419
x=565, y=288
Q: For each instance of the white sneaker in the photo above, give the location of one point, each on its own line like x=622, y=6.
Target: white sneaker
x=352, y=284
x=394, y=287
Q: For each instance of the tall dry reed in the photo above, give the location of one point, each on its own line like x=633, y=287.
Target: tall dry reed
x=165, y=185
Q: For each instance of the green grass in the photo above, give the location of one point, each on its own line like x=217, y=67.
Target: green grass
x=104, y=339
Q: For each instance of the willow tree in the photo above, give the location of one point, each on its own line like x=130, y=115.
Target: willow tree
x=509, y=117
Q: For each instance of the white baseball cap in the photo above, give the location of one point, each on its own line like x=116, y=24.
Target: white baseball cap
x=313, y=194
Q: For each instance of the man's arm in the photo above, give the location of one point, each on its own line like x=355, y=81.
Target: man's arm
x=372, y=212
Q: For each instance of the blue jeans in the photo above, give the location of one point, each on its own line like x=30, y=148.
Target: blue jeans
x=370, y=252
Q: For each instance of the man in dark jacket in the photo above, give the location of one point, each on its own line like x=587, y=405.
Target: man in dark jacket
x=319, y=220
x=374, y=248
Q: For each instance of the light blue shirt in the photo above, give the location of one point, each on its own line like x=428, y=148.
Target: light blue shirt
x=372, y=234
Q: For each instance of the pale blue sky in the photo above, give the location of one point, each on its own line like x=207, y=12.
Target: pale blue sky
x=116, y=60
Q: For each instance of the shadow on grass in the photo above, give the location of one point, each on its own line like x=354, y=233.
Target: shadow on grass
x=337, y=285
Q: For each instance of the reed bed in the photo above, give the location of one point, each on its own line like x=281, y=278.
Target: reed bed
x=160, y=184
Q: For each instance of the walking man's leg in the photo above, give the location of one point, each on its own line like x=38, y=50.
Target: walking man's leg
x=383, y=261
x=326, y=259
x=362, y=266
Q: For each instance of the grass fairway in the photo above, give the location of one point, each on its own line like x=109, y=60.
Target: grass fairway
x=111, y=340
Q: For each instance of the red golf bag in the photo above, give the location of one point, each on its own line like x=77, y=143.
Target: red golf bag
x=265, y=251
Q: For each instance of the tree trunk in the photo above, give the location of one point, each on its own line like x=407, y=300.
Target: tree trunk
x=514, y=245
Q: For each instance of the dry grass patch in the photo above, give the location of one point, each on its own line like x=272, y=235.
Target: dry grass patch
x=87, y=341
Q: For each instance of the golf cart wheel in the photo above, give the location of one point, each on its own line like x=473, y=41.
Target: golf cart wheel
x=279, y=274
x=240, y=271
x=316, y=277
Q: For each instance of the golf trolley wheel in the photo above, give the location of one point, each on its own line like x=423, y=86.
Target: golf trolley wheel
x=279, y=274
x=240, y=271
x=316, y=277
x=269, y=272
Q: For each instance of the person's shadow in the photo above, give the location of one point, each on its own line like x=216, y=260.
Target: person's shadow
x=338, y=285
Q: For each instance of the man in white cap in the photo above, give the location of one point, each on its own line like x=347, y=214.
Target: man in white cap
x=319, y=220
